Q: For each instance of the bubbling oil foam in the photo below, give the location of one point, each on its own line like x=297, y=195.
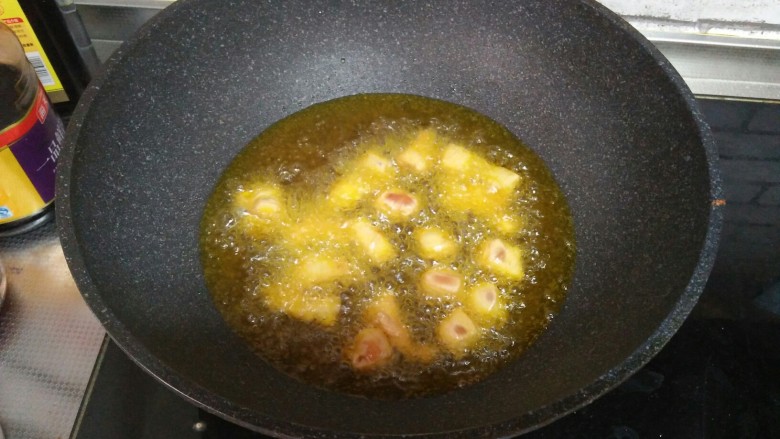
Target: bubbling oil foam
x=303, y=157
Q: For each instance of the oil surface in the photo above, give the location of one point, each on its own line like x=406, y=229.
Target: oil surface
x=253, y=266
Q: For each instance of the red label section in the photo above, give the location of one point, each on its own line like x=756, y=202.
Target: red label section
x=37, y=112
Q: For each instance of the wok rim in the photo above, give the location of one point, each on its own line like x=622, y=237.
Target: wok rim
x=523, y=422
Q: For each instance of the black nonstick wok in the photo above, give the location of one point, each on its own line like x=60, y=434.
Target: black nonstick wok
x=606, y=111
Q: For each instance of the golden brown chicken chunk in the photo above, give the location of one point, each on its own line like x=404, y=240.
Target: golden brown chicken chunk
x=501, y=258
x=441, y=284
x=397, y=204
x=457, y=332
x=386, y=315
x=370, y=350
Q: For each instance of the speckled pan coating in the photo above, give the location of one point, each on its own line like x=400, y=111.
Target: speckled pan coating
x=606, y=111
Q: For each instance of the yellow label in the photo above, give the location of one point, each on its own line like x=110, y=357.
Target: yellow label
x=18, y=197
x=13, y=16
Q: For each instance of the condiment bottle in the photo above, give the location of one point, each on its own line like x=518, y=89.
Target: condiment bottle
x=31, y=135
x=57, y=44
x=61, y=51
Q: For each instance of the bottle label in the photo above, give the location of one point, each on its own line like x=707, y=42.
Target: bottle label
x=13, y=16
x=29, y=150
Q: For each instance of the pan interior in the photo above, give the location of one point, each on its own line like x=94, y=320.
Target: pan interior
x=153, y=135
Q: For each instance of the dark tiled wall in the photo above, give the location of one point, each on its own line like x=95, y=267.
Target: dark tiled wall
x=748, y=264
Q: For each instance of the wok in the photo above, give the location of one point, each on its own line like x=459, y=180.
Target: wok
x=594, y=99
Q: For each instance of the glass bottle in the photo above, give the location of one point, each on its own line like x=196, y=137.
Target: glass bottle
x=63, y=37
x=31, y=135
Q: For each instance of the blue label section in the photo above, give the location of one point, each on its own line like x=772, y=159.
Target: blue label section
x=37, y=152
